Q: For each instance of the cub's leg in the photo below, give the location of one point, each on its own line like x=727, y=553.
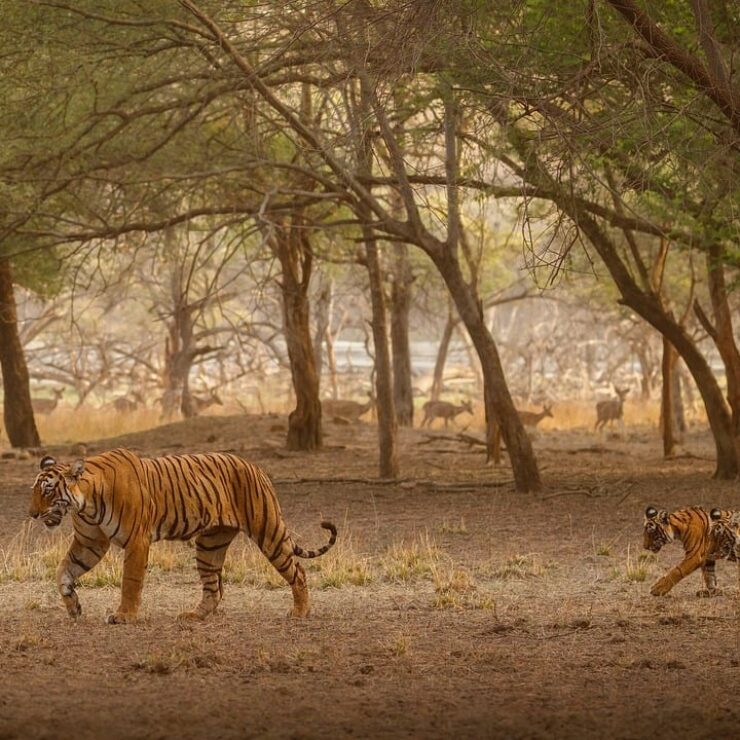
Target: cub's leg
x=663, y=585
x=710, y=580
x=210, y=552
x=136, y=556
x=87, y=549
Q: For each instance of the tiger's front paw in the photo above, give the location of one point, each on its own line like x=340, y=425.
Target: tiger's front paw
x=708, y=593
x=661, y=587
x=120, y=618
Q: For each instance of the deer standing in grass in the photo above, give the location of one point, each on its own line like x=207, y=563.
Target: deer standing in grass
x=612, y=410
x=351, y=410
x=444, y=410
x=533, y=418
x=201, y=403
x=126, y=405
x=47, y=405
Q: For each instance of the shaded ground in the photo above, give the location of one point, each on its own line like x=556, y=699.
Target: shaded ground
x=515, y=616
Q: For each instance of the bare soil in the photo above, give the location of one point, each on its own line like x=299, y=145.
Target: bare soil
x=533, y=624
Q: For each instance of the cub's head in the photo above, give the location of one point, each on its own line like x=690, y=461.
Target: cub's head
x=657, y=530
x=54, y=489
x=724, y=534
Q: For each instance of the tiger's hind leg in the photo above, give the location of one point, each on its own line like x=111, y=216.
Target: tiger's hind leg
x=286, y=563
x=210, y=553
x=708, y=570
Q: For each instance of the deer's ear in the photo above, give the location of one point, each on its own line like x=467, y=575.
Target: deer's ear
x=47, y=462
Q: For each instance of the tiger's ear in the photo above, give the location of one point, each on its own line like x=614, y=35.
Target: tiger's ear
x=76, y=469
x=715, y=514
x=651, y=512
x=47, y=462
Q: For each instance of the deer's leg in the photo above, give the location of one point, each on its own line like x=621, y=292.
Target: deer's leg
x=87, y=549
x=663, y=585
x=136, y=556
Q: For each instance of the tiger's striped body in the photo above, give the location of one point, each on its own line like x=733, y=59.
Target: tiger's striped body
x=692, y=527
x=130, y=501
x=725, y=534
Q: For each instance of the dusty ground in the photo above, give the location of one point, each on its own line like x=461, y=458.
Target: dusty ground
x=483, y=613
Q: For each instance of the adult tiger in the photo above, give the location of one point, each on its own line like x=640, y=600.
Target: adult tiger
x=130, y=501
x=692, y=528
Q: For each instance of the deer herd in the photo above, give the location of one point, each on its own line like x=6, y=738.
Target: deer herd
x=348, y=411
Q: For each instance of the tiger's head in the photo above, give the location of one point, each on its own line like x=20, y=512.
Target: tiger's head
x=55, y=490
x=724, y=534
x=657, y=529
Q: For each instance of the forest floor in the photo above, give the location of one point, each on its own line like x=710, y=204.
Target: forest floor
x=450, y=607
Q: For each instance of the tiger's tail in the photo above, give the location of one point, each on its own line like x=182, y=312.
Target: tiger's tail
x=301, y=553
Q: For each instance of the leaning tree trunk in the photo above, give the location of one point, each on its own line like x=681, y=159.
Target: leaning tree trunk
x=648, y=306
x=18, y=412
x=723, y=334
x=518, y=444
x=442, y=350
x=400, y=308
x=290, y=243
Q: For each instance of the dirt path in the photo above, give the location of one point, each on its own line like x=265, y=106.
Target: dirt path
x=480, y=612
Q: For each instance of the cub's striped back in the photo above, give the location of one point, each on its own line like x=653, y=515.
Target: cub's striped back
x=691, y=527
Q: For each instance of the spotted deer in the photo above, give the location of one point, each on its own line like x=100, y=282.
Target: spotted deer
x=126, y=405
x=47, y=405
x=201, y=403
x=533, y=418
x=345, y=409
x=611, y=410
x=443, y=410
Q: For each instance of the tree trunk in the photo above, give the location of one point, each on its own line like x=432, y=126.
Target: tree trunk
x=20, y=425
x=648, y=306
x=723, y=335
x=442, y=350
x=290, y=243
x=679, y=415
x=323, y=306
x=385, y=406
x=666, y=400
x=503, y=412
x=400, y=308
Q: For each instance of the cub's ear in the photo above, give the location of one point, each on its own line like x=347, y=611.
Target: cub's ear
x=715, y=514
x=47, y=462
x=76, y=469
x=651, y=512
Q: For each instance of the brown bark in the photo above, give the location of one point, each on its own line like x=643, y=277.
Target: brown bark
x=442, y=350
x=20, y=425
x=400, y=309
x=290, y=244
x=385, y=406
x=666, y=401
x=499, y=404
x=649, y=307
x=723, y=334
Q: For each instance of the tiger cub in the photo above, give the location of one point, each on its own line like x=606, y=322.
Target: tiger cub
x=692, y=527
x=725, y=534
x=118, y=497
